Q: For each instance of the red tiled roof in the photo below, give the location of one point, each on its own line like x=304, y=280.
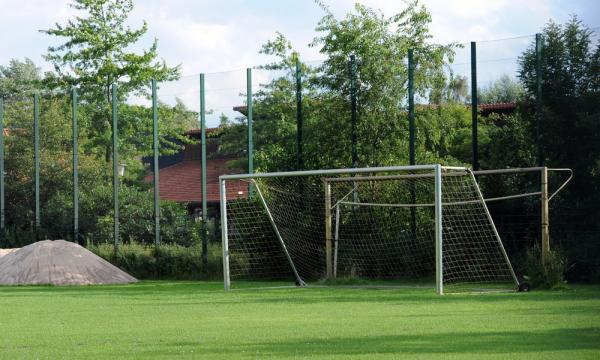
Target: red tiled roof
x=498, y=106
x=182, y=182
x=198, y=132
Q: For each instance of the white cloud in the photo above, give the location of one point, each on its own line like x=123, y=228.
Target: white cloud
x=209, y=36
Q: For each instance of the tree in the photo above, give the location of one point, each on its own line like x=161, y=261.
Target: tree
x=454, y=89
x=95, y=56
x=380, y=46
x=19, y=78
x=570, y=129
x=503, y=90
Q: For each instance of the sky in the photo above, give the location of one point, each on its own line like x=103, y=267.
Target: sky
x=217, y=36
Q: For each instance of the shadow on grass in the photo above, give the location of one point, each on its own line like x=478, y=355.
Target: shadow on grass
x=438, y=343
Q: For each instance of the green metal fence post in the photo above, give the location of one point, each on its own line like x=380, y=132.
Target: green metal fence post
x=203, y=165
x=411, y=136
x=299, y=118
x=538, y=98
x=353, y=110
x=250, y=149
x=155, y=165
x=474, y=121
x=411, y=107
x=36, y=157
x=115, y=158
x=75, y=164
x=2, y=214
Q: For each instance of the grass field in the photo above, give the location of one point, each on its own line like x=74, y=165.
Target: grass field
x=199, y=320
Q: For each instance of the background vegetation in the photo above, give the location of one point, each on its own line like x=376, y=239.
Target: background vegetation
x=93, y=56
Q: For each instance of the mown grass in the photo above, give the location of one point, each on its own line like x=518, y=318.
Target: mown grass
x=200, y=320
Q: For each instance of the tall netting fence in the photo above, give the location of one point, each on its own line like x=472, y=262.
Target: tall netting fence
x=574, y=228
x=514, y=198
x=56, y=168
x=498, y=75
x=374, y=228
x=34, y=212
x=19, y=172
x=515, y=213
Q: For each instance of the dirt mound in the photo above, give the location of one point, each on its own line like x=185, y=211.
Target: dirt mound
x=7, y=251
x=58, y=262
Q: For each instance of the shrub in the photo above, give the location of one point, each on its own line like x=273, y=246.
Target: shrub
x=136, y=217
x=168, y=261
x=14, y=238
x=547, y=275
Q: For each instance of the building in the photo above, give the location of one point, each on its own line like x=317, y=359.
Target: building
x=180, y=175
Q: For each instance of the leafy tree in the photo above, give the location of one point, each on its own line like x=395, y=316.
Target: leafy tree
x=19, y=78
x=95, y=56
x=503, y=90
x=571, y=92
x=570, y=129
x=454, y=89
x=380, y=46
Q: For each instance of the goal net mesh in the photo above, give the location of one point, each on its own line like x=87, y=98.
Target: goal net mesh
x=381, y=230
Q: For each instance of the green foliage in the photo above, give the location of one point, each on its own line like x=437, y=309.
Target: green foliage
x=509, y=141
x=54, y=156
x=95, y=56
x=570, y=130
x=379, y=45
x=454, y=90
x=136, y=217
x=545, y=275
x=19, y=79
x=503, y=90
x=95, y=174
x=13, y=237
x=443, y=134
x=168, y=261
x=344, y=281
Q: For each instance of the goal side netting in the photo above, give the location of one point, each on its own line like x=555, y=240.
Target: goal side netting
x=397, y=226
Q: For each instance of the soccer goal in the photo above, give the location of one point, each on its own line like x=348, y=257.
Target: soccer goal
x=400, y=226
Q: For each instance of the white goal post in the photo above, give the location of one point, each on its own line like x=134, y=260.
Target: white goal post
x=402, y=223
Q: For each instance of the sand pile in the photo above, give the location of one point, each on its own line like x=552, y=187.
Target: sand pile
x=7, y=251
x=58, y=262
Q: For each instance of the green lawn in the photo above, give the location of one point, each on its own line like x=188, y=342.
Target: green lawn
x=199, y=320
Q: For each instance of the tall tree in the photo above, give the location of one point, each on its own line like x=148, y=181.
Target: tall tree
x=380, y=45
x=95, y=55
x=19, y=78
x=570, y=129
x=503, y=90
x=571, y=93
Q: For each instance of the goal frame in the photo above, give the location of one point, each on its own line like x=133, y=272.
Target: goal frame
x=436, y=172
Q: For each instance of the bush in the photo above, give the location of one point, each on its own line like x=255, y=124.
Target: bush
x=168, y=261
x=547, y=275
x=14, y=238
x=136, y=217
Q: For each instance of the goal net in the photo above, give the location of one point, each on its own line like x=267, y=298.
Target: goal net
x=402, y=226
